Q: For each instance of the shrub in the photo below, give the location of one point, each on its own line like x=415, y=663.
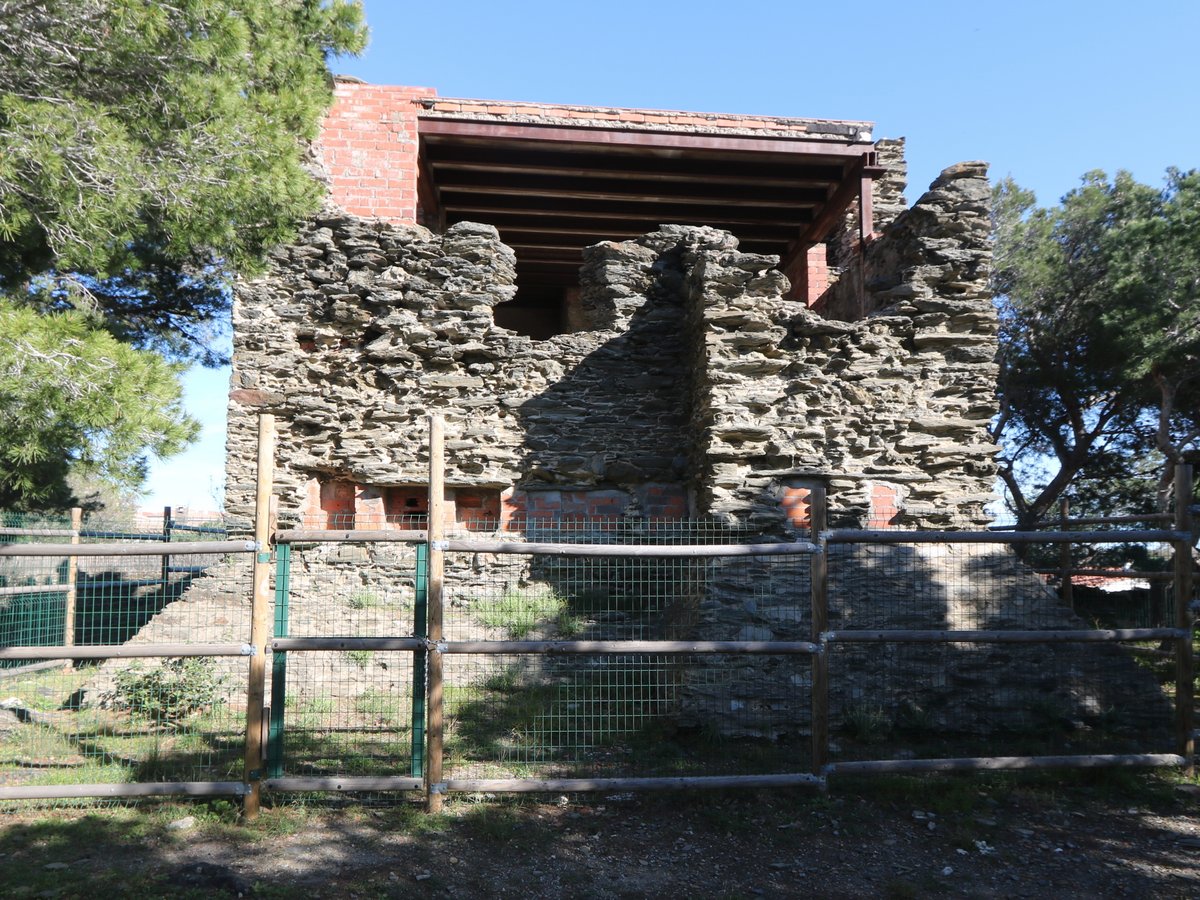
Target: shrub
x=170, y=692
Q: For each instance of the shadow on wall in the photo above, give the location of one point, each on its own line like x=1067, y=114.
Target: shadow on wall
x=618, y=420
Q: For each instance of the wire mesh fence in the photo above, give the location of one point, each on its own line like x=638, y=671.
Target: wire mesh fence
x=626, y=714
x=104, y=720
x=347, y=712
x=622, y=716
x=545, y=673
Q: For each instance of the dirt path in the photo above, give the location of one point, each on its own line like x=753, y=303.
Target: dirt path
x=1080, y=837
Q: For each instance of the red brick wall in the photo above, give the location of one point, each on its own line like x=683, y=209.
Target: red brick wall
x=809, y=274
x=885, y=506
x=368, y=144
x=655, y=501
x=795, y=506
x=344, y=505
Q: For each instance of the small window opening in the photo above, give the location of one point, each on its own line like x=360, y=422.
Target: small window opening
x=407, y=507
x=539, y=311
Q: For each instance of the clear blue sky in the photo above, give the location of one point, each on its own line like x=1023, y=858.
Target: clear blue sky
x=1044, y=91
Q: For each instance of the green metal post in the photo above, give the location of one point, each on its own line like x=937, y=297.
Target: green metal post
x=420, y=629
x=166, y=560
x=283, y=560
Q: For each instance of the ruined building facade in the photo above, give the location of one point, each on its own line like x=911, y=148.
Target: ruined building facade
x=632, y=315
x=620, y=313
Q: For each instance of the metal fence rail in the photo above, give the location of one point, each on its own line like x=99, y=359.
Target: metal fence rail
x=111, y=689
x=591, y=655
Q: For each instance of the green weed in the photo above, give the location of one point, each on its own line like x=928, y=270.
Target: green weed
x=866, y=723
x=538, y=607
x=170, y=692
x=363, y=600
x=361, y=658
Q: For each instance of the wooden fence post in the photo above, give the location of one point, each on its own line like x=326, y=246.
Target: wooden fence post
x=1064, y=556
x=1184, y=661
x=437, y=562
x=72, y=582
x=259, y=617
x=819, y=578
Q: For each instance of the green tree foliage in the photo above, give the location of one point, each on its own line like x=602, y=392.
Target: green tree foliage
x=1100, y=349
x=76, y=401
x=148, y=149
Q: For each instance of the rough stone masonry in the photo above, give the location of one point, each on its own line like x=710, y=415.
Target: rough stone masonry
x=691, y=385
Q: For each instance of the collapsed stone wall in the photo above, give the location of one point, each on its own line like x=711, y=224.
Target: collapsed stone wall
x=693, y=371
x=363, y=329
x=692, y=379
x=902, y=396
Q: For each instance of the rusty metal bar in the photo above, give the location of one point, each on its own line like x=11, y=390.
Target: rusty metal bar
x=686, y=782
x=126, y=651
x=140, y=789
x=183, y=548
x=290, y=644
x=623, y=648
x=854, y=536
x=343, y=783
x=319, y=536
x=993, y=763
x=630, y=550
x=1001, y=637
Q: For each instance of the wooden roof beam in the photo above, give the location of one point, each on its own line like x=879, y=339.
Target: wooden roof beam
x=622, y=231
x=455, y=158
x=475, y=211
x=856, y=185
x=430, y=126
x=630, y=193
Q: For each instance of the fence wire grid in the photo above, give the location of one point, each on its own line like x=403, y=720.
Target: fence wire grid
x=358, y=711
x=115, y=721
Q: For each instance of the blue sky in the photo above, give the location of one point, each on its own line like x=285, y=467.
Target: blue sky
x=1044, y=91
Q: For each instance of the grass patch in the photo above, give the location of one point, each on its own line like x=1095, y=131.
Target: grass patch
x=537, y=608
x=363, y=600
x=379, y=707
x=360, y=658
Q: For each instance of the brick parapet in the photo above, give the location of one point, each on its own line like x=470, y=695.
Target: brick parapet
x=674, y=120
x=368, y=147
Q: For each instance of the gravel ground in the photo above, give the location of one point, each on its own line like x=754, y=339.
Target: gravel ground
x=1088, y=836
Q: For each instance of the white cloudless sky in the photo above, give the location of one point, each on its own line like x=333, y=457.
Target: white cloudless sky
x=1044, y=91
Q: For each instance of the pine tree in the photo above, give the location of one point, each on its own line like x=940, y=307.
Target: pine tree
x=1100, y=341
x=148, y=152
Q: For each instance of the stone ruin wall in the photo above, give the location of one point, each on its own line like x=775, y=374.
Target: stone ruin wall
x=694, y=379
x=695, y=388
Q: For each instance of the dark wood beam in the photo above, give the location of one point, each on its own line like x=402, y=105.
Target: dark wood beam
x=857, y=179
x=429, y=125
x=548, y=251
x=533, y=185
x=454, y=158
x=600, y=232
x=483, y=209
x=428, y=195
